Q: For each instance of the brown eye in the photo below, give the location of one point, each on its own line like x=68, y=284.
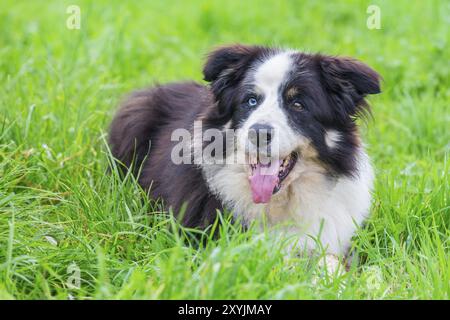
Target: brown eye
x=297, y=105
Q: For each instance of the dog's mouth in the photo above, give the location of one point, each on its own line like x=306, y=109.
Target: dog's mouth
x=265, y=179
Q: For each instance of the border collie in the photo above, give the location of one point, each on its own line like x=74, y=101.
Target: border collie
x=292, y=116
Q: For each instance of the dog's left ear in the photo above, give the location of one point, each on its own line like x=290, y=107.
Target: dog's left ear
x=348, y=81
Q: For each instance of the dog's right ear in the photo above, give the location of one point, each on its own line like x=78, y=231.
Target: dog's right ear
x=228, y=62
x=224, y=68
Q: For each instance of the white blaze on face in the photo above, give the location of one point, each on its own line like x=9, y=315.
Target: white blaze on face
x=267, y=80
x=270, y=75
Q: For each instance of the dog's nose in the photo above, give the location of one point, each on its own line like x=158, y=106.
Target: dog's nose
x=260, y=134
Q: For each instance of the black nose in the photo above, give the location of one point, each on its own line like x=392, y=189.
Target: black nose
x=260, y=134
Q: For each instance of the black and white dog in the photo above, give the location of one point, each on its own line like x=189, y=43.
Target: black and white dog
x=293, y=118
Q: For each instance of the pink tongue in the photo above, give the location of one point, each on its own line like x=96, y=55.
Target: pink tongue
x=263, y=180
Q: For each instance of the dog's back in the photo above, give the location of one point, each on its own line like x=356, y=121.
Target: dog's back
x=140, y=139
x=148, y=115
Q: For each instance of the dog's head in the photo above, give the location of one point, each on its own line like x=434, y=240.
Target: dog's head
x=287, y=106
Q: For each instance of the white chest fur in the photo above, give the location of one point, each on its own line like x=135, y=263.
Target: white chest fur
x=313, y=205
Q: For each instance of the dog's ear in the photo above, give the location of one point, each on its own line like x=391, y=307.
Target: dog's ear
x=227, y=60
x=224, y=68
x=348, y=82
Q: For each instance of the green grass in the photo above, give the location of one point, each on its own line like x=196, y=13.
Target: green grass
x=58, y=207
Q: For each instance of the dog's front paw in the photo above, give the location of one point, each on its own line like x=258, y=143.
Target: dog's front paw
x=329, y=270
x=331, y=265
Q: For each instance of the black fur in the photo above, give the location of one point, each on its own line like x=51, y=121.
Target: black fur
x=152, y=115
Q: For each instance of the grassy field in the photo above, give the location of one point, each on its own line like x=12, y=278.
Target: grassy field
x=63, y=219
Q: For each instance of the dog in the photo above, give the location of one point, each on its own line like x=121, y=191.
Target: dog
x=293, y=118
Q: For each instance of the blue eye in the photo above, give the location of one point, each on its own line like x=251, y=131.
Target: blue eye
x=252, y=102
